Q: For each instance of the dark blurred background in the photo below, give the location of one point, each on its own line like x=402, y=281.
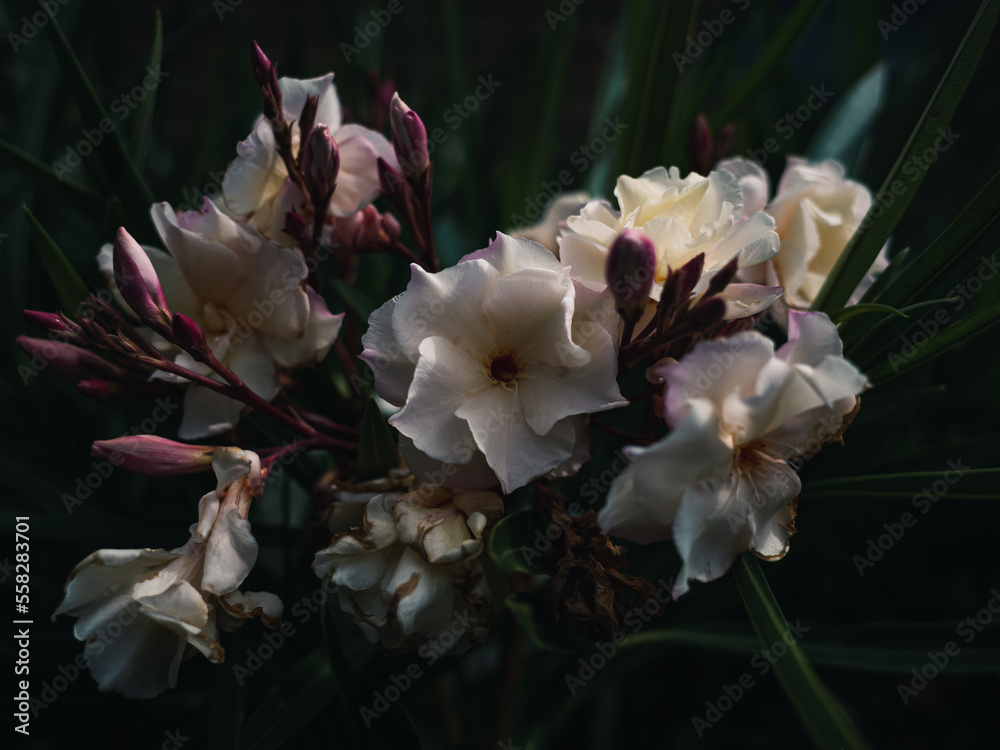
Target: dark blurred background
x=559, y=71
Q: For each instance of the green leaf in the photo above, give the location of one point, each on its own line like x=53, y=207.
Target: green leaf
x=534, y=616
x=947, y=249
x=819, y=711
x=353, y=298
x=134, y=193
x=972, y=484
x=142, y=119
x=377, y=453
x=897, y=364
x=894, y=196
x=511, y=536
x=296, y=697
x=780, y=44
x=843, y=132
x=863, y=309
x=67, y=282
x=40, y=173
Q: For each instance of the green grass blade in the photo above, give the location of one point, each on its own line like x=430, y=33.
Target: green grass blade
x=865, y=309
x=67, y=282
x=819, y=711
x=142, y=119
x=40, y=173
x=134, y=192
x=897, y=364
x=781, y=43
x=894, y=196
x=973, y=484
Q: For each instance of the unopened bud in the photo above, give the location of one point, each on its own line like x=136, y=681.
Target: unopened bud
x=699, y=146
x=308, y=117
x=320, y=165
x=68, y=361
x=721, y=278
x=153, y=455
x=99, y=390
x=707, y=312
x=391, y=227
x=630, y=271
x=409, y=138
x=189, y=336
x=137, y=281
x=45, y=321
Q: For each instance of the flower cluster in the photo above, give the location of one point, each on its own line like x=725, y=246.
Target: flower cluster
x=489, y=377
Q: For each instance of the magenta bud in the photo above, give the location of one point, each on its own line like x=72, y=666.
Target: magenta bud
x=707, y=312
x=320, y=164
x=99, y=390
x=678, y=287
x=154, y=456
x=67, y=361
x=260, y=65
x=699, y=146
x=189, y=336
x=721, y=279
x=391, y=227
x=46, y=322
x=391, y=182
x=308, y=117
x=295, y=225
x=409, y=138
x=137, y=281
x=630, y=271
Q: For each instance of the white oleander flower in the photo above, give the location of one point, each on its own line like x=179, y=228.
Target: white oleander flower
x=143, y=611
x=816, y=211
x=720, y=482
x=682, y=217
x=411, y=573
x=256, y=187
x=247, y=294
x=494, y=362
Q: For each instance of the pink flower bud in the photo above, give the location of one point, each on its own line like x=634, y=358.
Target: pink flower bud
x=308, y=117
x=409, y=138
x=391, y=227
x=189, y=335
x=391, y=183
x=46, y=322
x=680, y=283
x=707, y=312
x=137, y=281
x=99, y=390
x=260, y=65
x=320, y=164
x=153, y=455
x=630, y=271
x=699, y=146
x=67, y=361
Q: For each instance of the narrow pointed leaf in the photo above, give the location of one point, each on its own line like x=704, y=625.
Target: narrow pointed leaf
x=67, y=282
x=895, y=195
x=41, y=174
x=865, y=309
x=966, y=483
x=818, y=710
x=142, y=118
